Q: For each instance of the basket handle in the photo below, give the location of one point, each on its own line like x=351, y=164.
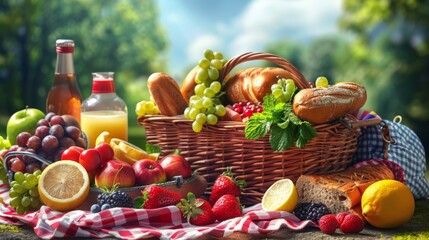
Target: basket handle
x=363, y=123
x=299, y=79
x=22, y=153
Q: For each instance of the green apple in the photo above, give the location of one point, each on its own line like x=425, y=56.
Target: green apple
x=23, y=121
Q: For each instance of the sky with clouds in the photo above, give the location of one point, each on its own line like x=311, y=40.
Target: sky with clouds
x=237, y=26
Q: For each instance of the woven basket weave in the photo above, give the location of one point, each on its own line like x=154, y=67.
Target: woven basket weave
x=223, y=145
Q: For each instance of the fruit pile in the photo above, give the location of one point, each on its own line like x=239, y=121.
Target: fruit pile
x=51, y=136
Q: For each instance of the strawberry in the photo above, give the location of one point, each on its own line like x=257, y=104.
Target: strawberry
x=197, y=211
x=340, y=217
x=328, y=224
x=156, y=197
x=227, y=207
x=226, y=184
x=352, y=223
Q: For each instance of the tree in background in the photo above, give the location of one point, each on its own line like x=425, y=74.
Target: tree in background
x=125, y=37
x=392, y=49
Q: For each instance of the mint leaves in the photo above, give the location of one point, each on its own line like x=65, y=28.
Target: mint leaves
x=278, y=119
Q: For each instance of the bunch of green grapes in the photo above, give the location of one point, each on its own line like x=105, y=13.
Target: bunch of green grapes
x=24, y=195
x=146, y=108
x=284, y=89
x=4, y=143
x=205, y=106
x=3, y=174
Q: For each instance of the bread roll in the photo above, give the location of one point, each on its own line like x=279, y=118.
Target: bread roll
x=166, y=94
x=252, y=84
x=341, y=192
x=188, y=84
x=320, y=105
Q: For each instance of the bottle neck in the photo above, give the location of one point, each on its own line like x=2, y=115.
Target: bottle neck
x=64, y=63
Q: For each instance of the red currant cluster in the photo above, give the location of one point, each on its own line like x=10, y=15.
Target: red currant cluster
x=247, y=109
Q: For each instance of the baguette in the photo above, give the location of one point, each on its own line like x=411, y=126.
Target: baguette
x=188, y=84
x=342, y=191
x=166, y=94
x=320, y=105
x=252, y=84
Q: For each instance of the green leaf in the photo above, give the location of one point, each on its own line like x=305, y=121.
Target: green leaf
x=257, y=126
x=150, y=148
x=269, y=102
x=138, y=202
x=280, y=139
x=284, y=124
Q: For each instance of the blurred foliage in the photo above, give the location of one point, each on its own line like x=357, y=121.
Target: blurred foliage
x=384, y=46
x=124, y=37
x=392, y=45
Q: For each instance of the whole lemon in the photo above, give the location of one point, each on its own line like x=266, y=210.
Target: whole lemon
x=387, y=204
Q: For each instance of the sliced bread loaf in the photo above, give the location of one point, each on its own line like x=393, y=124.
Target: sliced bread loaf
x=342, y=191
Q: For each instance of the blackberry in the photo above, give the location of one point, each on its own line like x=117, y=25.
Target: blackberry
x=311, y=211
x=115, y=199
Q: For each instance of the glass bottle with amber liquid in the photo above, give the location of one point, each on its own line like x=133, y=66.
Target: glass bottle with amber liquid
x=64, y=96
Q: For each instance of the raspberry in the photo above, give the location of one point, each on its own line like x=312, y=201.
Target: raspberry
x=311, y=211
x=340, y=217
x=352, y=223
x=328, y=224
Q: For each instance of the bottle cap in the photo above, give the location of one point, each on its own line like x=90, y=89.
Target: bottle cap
x=102, y=82
x=64, y=46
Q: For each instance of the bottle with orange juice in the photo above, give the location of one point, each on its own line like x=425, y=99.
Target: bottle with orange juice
x=104, y=110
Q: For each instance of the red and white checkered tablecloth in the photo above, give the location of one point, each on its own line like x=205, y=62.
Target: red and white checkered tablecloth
x=128, y=223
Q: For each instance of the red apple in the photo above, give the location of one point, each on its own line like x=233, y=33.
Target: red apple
x=149, y=171
x=106, y=152
x=115, y=172
x=175, y=165
x=72, y=153
x=90, y=159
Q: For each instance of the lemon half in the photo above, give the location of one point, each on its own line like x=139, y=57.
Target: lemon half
x=280, y=196
x=64, y=185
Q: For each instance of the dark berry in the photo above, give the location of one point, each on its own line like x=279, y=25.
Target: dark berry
x=105, y=206
x=95, y=208
x=115, y=199
x=311, y=211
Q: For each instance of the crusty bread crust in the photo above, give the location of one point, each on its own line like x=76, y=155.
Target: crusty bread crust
x=341, y=192
x=188, y=84
x=253, y=84
x=166, y=94
x=320, y=105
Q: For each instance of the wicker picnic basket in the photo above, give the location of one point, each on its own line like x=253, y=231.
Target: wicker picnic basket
x=223, y=145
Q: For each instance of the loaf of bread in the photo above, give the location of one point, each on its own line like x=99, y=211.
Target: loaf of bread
x=252, y=84
x=320, y=105
x=341, y=192
x=188, y=84
x=166, y=94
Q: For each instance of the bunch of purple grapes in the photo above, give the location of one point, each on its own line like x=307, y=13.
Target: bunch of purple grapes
x=53, y=135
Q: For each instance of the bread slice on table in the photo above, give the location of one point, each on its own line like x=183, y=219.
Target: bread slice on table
x=342, y=191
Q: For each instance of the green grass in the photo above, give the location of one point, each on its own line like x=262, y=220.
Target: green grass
x=9, y=228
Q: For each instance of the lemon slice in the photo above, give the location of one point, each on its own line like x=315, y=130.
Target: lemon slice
x=281, y=196
x=130, y=153
x=64, y=185
x=104, y=137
